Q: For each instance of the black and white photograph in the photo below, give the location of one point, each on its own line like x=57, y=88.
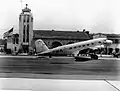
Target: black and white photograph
x=59, y=45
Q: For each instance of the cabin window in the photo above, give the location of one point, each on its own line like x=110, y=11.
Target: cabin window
x=87, y=44
x=70, y=48
x=92, y=43
x=99, y=42
x=83, y=45
x=61, y=50
x=74, y=47
x=79, y=46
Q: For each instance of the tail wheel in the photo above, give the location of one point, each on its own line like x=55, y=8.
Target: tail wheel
x=94, y=56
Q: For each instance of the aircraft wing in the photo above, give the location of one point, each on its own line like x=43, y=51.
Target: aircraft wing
x=72, y=49
x=96, y=47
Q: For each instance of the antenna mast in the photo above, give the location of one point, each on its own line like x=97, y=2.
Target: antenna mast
x=21, y=3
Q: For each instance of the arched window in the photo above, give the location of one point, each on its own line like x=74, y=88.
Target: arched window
x=70, y=42
x=56, y=44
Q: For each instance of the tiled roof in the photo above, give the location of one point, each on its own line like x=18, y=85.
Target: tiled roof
x=60, y=34
x=113, y=35
x=109, y=36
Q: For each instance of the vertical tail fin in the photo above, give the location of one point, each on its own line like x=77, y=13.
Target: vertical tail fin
x=40, y=46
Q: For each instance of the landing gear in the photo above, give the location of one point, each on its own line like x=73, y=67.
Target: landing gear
x=50, y=56
x=93, y=56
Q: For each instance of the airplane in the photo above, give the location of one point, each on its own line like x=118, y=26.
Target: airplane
x=70, y=49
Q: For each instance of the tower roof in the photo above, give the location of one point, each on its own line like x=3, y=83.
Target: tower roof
x=26, y=9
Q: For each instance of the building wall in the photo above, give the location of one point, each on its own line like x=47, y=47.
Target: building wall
x=116, y=42
x=51, y=43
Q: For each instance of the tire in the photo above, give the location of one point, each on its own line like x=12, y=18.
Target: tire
x=94, y=57
x=50, y=56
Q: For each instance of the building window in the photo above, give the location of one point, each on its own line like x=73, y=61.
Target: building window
x=27, y=33
x=20, y=18
x=116, y=41
x=15, y=48
x=119, y=40
x=75, y=47
x=24, y=19
x=13, y=40
x=17, y=41
x=31, y=19
x=27, y=19
x=24, y=33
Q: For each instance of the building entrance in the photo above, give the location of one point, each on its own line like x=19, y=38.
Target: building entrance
x=25, y=48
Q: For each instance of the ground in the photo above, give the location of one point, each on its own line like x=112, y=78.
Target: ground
x=30, y=73
x=59, y=67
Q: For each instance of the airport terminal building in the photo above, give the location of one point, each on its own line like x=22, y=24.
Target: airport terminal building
x=24, y=42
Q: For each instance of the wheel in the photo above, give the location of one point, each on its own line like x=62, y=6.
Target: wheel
x=94, y=56
x=50, y=56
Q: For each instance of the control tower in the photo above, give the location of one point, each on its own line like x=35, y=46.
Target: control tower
x=25, y=29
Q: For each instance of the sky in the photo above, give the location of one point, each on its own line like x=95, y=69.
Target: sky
x=96, y=16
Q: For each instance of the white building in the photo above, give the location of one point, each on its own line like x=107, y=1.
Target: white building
x=115, y=46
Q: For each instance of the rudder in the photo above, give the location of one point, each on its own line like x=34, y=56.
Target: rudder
x=40, y=46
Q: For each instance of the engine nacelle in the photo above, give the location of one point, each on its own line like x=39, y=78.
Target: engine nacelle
x=107, y=42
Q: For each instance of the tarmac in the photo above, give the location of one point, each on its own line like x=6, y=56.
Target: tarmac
x=92, y=81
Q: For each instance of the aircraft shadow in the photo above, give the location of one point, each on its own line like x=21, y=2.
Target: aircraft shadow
x=82, y=59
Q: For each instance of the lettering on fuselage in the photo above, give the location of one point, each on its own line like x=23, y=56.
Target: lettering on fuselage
x=84, y=45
